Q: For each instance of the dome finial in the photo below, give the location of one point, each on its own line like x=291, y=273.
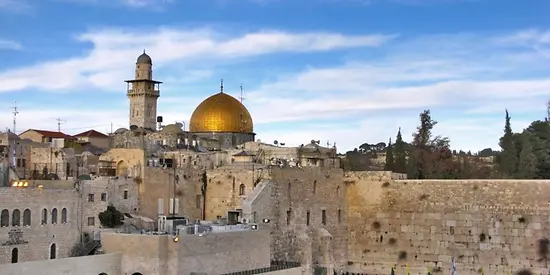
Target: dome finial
x=221, y=86
x=143, y=50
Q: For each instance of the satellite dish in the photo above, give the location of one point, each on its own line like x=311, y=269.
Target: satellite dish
x=133, y=127
x=179, y=124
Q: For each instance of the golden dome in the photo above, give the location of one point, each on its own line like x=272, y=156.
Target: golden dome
x=221, y=113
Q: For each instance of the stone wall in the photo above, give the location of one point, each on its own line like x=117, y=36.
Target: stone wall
x=59, y=161
x=35, y=240
x=494, y=226
x=90, y=265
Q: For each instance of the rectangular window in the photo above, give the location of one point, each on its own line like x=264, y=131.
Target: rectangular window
x=18, y=162
x=324, y=217
x=23, y=163
x=125, y=194
x=288, y=213
x=103, y=196
x=307, y=217
x=91, y=221
x=198, y=201
x=90, y=197
x=339, y=216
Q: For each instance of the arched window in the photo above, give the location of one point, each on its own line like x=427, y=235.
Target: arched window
x=44, y=216
x=27, y=217
x=5, y=218
x=64, y=215
x=14, y=255
x=103, y=273
x=136, y=273
x=54, y=216
x=338, y=191
x=53, y=250
x=314, y=186
x=241, y=189
x=16, y=218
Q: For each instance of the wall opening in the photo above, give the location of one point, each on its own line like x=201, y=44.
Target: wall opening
x=307, y=217
x=44, y=216
x=324, y=217
x=27, y=217
x=241, y=189
x=314, y=186
x=5, y=218
x=14, y=255
x=53, y=250
x=288, y=214
x=54, y=216
x=339, y=215
x=136, y=273
x=64, y=215
x=16, y=218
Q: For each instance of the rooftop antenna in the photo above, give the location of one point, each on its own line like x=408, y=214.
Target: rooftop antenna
x=59, y=122
x=221, y=86
x=15, y=112
x=241, y=98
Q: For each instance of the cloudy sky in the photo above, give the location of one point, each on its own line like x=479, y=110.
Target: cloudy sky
x=344, y=71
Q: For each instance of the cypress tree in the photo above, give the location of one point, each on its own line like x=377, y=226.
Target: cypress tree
x=400, y=161
x=389, y=157
x=508, y=160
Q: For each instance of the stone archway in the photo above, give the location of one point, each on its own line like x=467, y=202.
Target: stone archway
x=122, y=169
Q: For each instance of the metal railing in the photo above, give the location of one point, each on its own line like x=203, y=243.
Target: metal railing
x=275, y=266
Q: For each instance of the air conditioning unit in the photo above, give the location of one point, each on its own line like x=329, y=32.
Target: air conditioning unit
x=162, y=227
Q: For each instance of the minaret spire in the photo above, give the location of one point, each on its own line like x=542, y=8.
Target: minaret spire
x=221, y=86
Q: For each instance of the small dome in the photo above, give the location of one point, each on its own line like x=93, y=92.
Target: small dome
x=144, y=59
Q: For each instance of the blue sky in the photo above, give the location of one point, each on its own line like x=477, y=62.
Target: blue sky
x=344, y=71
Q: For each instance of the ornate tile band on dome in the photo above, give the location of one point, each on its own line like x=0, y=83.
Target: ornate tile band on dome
x=221, y=113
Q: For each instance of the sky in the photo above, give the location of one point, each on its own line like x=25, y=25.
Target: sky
x=337, y=71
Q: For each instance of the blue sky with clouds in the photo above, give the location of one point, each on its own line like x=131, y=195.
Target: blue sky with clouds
x=344, y=71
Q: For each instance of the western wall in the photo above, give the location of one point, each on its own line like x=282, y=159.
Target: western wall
x=488, y=226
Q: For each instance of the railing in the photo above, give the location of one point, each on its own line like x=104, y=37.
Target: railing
x=275, y=266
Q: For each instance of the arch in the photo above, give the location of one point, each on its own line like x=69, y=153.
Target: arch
x=102, y=273
x=54, y=215
x=122, y=169
x=136, y=273
x=241, y=189
x=14, y=255
x=5, y=218
x=27, y=217
x=16, y=218
x=64, y=215
x=53, y=251
x=44, y=216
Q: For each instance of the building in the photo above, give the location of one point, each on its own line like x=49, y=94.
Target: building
x=94, y=138
x=55, y=139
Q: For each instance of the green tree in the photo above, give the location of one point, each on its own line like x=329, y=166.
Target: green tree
x=508, y=160
x=540, y=140
x=400, y=160
x=527, y=165
x=111, y=217
x=389, y=157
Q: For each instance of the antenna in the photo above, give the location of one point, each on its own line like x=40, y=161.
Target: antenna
x=221, y=86
x=59, y=122
x=15, y=112
x=241, y=98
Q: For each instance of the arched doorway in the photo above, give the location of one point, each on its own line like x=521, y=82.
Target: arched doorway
x=102, y=273
x=122, y=169
x=14, y=255
x=137, y=273
x=53, y=250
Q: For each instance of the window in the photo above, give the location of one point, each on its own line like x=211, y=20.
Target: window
x=16, y=218
x=5, y=218
x=44, y=216
x=54, y=215
x=23, y=163
x=103, y=196
x=339, y=215
x=324, y=217
x=307, y=217
x=241, y=189
x=18, y=162
x=27, y=217
x=53, y=249
x=198, y=201
x=14, y=255
x=338, y=191
x=64, y=215
x=91, y=221
x=314, y=186
x=125, y=194
x=91, y=197
x=288, y=215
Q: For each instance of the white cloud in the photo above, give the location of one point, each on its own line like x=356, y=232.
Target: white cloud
x=107, y=62
x=16, y=6
x=10, y=45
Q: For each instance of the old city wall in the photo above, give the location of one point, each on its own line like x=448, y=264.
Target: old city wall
x=228, y=187
x=310, y=225
x=90, y=265
x=36, y=240
x=494, y=226
x=158, y=183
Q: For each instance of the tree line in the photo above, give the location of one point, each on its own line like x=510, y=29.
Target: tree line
x=524, y=155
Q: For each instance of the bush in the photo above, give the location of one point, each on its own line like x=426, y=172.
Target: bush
x=111, y=217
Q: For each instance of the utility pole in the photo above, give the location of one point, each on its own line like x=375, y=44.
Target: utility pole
x=59, y=122
x=15, y=112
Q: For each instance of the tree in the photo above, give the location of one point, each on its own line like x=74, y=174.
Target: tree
x=400, y=160
x=111, y=217
x=389, y=157
x=540, y=140
x=527, y=165
x=508, y=157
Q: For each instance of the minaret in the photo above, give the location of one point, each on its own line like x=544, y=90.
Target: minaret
x=143, y=93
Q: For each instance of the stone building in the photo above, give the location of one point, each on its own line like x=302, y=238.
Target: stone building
x=55, y=139
x=94, y=138
x=37, y=223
